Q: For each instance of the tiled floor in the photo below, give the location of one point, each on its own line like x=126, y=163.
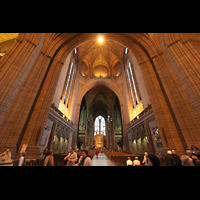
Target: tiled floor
x=102, y=160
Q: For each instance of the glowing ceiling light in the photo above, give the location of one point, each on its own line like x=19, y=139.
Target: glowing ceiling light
x=100, y=39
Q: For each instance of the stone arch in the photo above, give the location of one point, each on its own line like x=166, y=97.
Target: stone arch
x=55, y=49
x=92, y=84
x=46, y=69
x=103, y=102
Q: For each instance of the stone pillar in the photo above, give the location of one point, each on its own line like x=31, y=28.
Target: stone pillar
x=112, y=136
x=51, y=138
x=70, y=139
x=87, y=134
x=130, y=142
x=57, y=147
x=134, y=146
x=150, y=139
x=91, y=133
x=17, y=88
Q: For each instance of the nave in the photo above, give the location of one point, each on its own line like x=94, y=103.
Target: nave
x=102, y=160
x=124, y=92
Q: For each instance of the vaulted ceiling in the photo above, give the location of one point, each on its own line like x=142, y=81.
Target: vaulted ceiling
x=107, y=53
x=7, y=36
x=100, y=100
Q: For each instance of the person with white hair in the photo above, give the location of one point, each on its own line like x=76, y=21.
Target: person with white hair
x=146, y=159
x=169, y=159
x=176, y=158
x=186, y=161
x=136, y=162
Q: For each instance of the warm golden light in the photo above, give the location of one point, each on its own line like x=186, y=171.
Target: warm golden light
x=62, y=107
x=136, y=111
x=100, y=39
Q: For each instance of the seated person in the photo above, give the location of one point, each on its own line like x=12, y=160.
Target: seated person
x=129, y=162
x=136, y=162
x=84, y=160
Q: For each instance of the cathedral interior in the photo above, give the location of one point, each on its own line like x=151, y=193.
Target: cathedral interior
x=127, y=92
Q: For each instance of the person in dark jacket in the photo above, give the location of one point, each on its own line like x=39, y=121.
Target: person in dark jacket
x=169, y=159
x=153, y=160
x=196, y=152
x=176, y=158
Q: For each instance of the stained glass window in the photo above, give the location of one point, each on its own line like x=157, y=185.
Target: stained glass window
x=157, y=136
x=99, y=125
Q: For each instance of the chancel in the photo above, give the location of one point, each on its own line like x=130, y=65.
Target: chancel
x=119, y=93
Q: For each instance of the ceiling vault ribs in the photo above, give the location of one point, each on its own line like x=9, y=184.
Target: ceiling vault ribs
x=100, y=57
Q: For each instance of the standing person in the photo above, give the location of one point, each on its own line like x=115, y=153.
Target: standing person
x=71, y=157
x=84, y=160
x=146, y=159
x=22, y=159
x=176, y=158
x=169, y=159
x=49, y=160
x=192, y=156
x=45, y=153
x=196, y=152
x=186, y=160
x=97, y=152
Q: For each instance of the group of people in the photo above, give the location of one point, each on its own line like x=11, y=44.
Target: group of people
x=149, y=160
x=70, y=159
x=192, y=158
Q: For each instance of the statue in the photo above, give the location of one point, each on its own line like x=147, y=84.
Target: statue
x=5, y=158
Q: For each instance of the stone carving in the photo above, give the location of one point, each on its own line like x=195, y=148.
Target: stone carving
x=5, y=158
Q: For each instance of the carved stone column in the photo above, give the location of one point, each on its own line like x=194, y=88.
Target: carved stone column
x=51, y=138
x=112, y=136
x=150, y=140
x=142, y=134
x=87, y=133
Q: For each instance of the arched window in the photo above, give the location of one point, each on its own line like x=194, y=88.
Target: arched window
x=130, y=88
x=68, y=82
x=100, y=125
x=137, y=101
x=125, y=51
x=135, y=95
